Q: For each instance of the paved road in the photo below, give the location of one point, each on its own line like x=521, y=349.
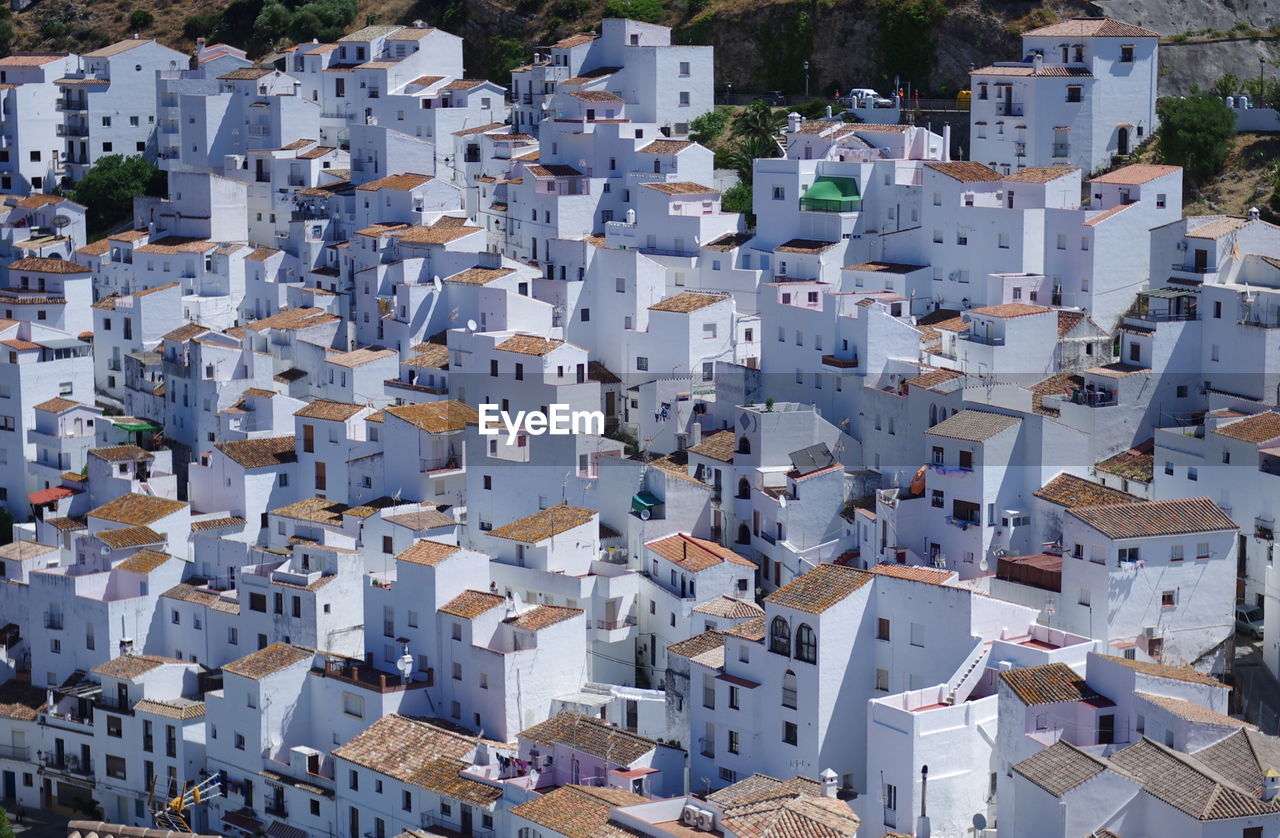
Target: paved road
x=39, y=825
x=1259, y=691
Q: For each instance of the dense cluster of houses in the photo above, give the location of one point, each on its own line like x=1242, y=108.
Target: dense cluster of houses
x=925, y=505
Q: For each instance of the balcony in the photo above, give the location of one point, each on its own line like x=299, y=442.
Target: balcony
x=369, y=678
x=72, y=103
x=21, y=753
x=1163, y=316
x=73, y=130
x=826, y=205
x=67, y=764
x=1194, y=269
x=1061, y=150
x=1008, y=108
x=1261, y=321
x=840, y=363
x=417, y=388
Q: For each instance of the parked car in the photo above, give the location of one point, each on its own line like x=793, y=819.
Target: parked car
x=1249, y=620
x=868, y=96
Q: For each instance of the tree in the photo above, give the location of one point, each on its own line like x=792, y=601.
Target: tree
x=707, y=127
x=323, y=20
x=273, y=22
x=141, y=19
x=760, y=121
x=743, y=155
x=6, y=831
x=110, y=186
x=736, y=198
x=1196, y=133
x=1226, y=86
x=649, y=11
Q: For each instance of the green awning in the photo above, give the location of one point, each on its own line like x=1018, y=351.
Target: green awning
x=642, y=501
x=833, y=189
x=139, y=426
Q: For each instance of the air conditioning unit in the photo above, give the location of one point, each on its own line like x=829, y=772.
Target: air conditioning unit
x=1150, y=632
x=705, y=820
x=689, y=815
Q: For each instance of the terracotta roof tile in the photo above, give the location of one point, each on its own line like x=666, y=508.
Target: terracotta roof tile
x=144, y=561
x=681, y=188
x=1191, y=711
x=1155, y=518
x=529, y=344
x=135, y=509
x=819, y=589
x=1090, y=27
x=804, y=246
x=592, y=736
x=544, y=524
x=965, y=171
x=543, y=616
x=1186, y=784
x=131, y=667
x=717, y=446
x=1258, y=428
x=752, y=629
x=479, y=275
x=329, y=411
x=1160, y=670
x=428, y=553
x=122, y=537
x=264, y=662
x=48, y=266
x=436, y=417
x=399, y=746
x=401, y=182
x=910, y=573
x=695, y=554
x=1060, y=768
x=729, y=608
x=443, y=776
x=698, y=644
x=471, y=604
x=21, y=700
x=1006, y=311
x=1070, y=491
x=1049, y=683
x=688, y=301
x=182, y=709
x=58, y=405
x=260, y=452
x=973, y=425
x=294, y=319
x=1135, y=175
x=187, y=592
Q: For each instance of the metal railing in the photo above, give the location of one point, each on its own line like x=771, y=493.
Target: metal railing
x=1009, y=108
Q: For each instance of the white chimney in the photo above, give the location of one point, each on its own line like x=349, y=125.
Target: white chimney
x=828, y=111
x=695, y=434
x=946, y=143
x=830, y=782
x=1254, y=214
x=1037, y=63
x=793, y=122
x=1270, y=784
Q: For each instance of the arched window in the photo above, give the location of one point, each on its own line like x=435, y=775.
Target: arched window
x=744, y=488
x=744, y=534
x=744, y=445
x=780, y=636
x=933, y=415
x=789, y=689
x=806, y=644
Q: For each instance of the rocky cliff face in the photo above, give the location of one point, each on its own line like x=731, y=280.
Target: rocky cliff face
x=761, y=45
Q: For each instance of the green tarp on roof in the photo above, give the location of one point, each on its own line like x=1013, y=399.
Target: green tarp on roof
x=833, y=189
x=139, y=426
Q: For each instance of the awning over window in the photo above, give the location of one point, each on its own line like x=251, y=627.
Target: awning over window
x=832, y=194
x=138, y=426
x=50, y=495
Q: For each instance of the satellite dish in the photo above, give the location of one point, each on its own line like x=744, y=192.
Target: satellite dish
x=61, y=220
x=435, y=283
x=471, y=326
x=979, y=821
x=645, y=514
x=983, y=565
x=782, y=501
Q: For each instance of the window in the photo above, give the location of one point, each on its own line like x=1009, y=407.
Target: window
x=353, y=781
x=1193, y=474
x=789, y=689
x=353, y=705
x=882, y=680
x=790, y=733
x=1168, y=467
x=779, y=193
x=239, y=741
x=806, y=644
x=1202, y=550
x=734, y=698
x=258, y=602
x=115, y=767
x=114, y=727
x=684, y=68
x=779, y=637
x=1175, y=553
x=1126, y=57
x=882, y=629
x=642, y=363
x=1075, y=93
x=315, y=808
x=917, y=635
x=1168, y=599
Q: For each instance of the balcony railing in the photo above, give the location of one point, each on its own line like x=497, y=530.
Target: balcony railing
x=825, y=205
x=1009, y=108
x=1195, y=269
x=1061, y=150
x=17, y=752
x=610, y=625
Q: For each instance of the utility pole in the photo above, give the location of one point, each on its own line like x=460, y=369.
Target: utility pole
x=806, y=78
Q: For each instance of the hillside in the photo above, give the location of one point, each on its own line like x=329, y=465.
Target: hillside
x=761, y=45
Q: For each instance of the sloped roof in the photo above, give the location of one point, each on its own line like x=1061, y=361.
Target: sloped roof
x=544, y=523
x=436, y=417
x=695, y=554
x=264, y=662
x=1070, y=491
x=590, y=735
x=820, y=588
x=1049, y=683
x=1155, y=518
x=260, y=452
x=1060, y=767
x=973, y=425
